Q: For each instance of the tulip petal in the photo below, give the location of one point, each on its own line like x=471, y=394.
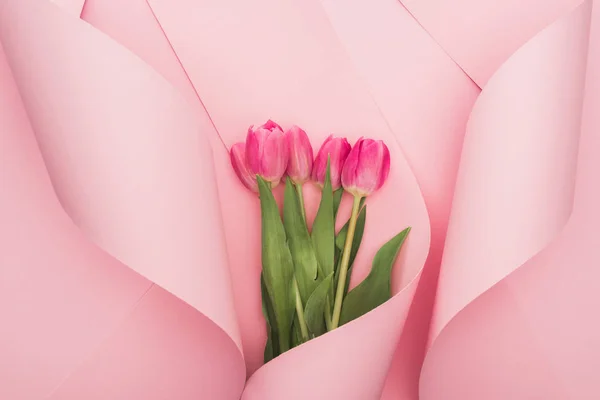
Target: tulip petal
x=385, y=167
x=274, y=158
x=270, y=125
x=253, y=151
x=300, y=163
x=318, y=174
x=351, y=165
x=337, y=149
x=266, y=151
x=240, y=166
x=367, y=167
x=367, y=171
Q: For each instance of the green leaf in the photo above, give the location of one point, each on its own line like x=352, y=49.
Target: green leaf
x=315, y=307
x=277, y=265
x=356, y=241
x=340, y=239
x=376, y=288
x=323, y=229
x=271, y=347
x=296, y=333
x=337, y=199
x=299, y=241
x=269, y=352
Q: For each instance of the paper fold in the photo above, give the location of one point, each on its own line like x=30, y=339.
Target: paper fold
x=130, y=166
x=322, y=97
x=514, y=197
x=142, y=169
x=481, y=35
x=426, y=99
x=516, y=179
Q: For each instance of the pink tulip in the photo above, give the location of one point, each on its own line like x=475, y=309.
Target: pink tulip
x=266, y=152
x=300, y=161
x=240, y=166
x=366, y=168
x=337, y=149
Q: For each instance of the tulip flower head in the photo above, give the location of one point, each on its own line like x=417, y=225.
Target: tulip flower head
x=337, y=149
x=240, y=166
x=300, y=161
x=366, y=168
x=266, y=152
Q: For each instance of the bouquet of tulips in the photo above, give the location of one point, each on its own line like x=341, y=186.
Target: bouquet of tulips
x=306, y=268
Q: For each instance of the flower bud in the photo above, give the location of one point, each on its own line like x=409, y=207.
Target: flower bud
x=300, y=161
x=337, y=150
x=366, y=168
x=240, y=166
x=266, y=152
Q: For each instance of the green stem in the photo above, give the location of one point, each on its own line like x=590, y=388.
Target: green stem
x=339, y=295
x=300, y=312
x=299, y=306
x=301, y=199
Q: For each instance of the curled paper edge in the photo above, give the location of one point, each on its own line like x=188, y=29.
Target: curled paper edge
x=54, y=22
x=463, y=284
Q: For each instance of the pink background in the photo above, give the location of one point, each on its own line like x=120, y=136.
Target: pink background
x=130, y=254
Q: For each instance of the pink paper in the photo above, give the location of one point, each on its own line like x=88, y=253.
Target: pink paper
x=115, y=132
x=530, y=334
x=426, y=99
x=481, y=35
x=341, y=106
x=73, y=6
x=401, y=181
x=140, y=184
x=527, y=118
